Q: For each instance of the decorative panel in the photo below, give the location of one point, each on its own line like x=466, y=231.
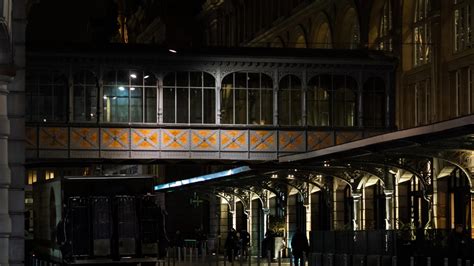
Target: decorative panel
x=320, y=139
x=53, y=138
x=234, y=140
x=145, y=139
x=31, y=138
x=348, y=136
x=262, y=140
x=204, y=140
x=85, y=138
x=115, y=138
x=175, y=139
x=292, y=141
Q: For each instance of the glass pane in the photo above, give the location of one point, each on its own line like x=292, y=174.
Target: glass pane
x=115, y=104
x=253, y=80
x=169, y=105
x=195, y=79
x=150, y=105
x=227, y=103
x=109, y=78
x=169, y=80
x=136, y=78
x=240, y=106
x=295, y=108
x=123, y=77
x=266, y=82
x=79, y=104
x=45, y=103
x=136, y=105
x=267, y=107
x=196, y=106
x=60, y=101
x=209, y=80
x=209, y=106
x=254, y=107
x=182, y=79
x=284, y=107
x=149, y=79
x=240, y=80
x=91, y=103
x=182, y=105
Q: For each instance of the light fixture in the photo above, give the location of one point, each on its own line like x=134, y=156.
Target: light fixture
x=121, y=88
x=105, y=97
x=274, y=176
x=115, y=97
x=392, y=172
x=133, y=76
x=44, y=119
x=146, y=76
x=132, y=88
x=172, y=51
x=92, y=115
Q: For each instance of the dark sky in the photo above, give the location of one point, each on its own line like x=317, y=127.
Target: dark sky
x=89, y=21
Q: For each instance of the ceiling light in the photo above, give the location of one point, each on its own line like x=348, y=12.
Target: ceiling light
x=133, y=76
x=105, y=97
x=147, y=76
x=121, y=88
x=132, y=88
x=172, y=51
x=115, y=97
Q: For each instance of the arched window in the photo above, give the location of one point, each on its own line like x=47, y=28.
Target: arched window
x=463, y=24
x=85, y=96
x=129, y=96
x=189, y=97
x=46, y=93
x=385, y=28
x=374, y=102
x=344, y=101
x=422, y=32
x=323, y=37
x=318, y=101
x=290, y=101
x=351, y=30
x=247, y=98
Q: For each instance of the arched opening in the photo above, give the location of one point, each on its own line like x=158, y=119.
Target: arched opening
x=129, y=96
x=344, y=107
x=320, y=218
x=318, y=101
x=189, y=97
x=277, y=43
x=241, y=217
x=299, y=37
x=247, y=98
x=290, y=96
x=350, y=33
x=374, y=102
x=322, y=34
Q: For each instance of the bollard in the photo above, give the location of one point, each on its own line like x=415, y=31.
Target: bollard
x=233, y=258
x=428, y=261
x=269, y=259
x=412, y=261
x=179, y=254
x=394, y=261
x=468, y=262
x=174, y=256
x=279, y=257
x=459, y=262
x=217, y=258
x=191, y=255
x=249, y=255
x=258, y=259
x=446, y=262
x=240, y=257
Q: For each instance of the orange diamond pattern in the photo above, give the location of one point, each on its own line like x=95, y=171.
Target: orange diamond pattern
x=320, y=140
x=204, y=139
x=175, y=139
x=262, y=140
x=115, y=138
x=84, y=138
x=31, y=138
x=53, y=138
x=145, y=139
x=291, y=141
x=234, y=140
x=344, y=137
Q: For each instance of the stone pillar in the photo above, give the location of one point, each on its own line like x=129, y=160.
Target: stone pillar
x=16, y=140
x=5, y=179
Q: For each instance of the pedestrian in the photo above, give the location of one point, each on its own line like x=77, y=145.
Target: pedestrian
x=245, y=243
x=299, y=247
x=231, y=244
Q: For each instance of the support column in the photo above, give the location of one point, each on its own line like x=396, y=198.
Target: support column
x=5, y=180
x=389, y=221
x=356, y=220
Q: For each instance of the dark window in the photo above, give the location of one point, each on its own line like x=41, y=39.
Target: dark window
x=290, y=101
x=374, y=103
